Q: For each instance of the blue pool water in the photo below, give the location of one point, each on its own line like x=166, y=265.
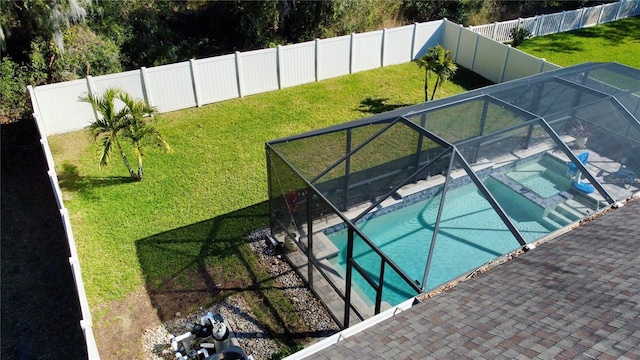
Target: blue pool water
x=470, y=234
x=545, y=176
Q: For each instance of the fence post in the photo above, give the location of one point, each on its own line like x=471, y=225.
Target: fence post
x=91, y=88
x=351, y=53
x=506, y=62
x=36, y=112
x=581, y=22
x=239, y=75
x=539, y=20
x=195, y=81
x=542, y=64
x=534, y=28
x=600, y=15
x=279, y=66
x=561, y=22
x=475, y=51
x=413, y=41
x=495, y=30
x=384, y=45
x=460, y=27
x=317, y=57
x=146, y=86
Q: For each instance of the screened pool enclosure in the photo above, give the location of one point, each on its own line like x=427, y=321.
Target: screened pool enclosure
x=378, y=210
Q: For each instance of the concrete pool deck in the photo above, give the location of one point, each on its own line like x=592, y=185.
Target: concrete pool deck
x=574, y=296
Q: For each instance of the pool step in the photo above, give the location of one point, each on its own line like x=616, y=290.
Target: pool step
x=550, y=223
x=559, y=218
x=569, y=212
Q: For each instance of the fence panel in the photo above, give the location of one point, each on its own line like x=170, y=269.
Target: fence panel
x=218, y=80
x=398, y=45
x=609, y=12
x=333, y=57
x=170, y=87
x=367, y=51
x=427, y=35
x=571, y=20
x=484, y=30
x=259, y=71
x=466, y=48
x=450, y=35
x=547, y=66
x=490, y=58
x=521, y=64
x=59, y=106
x=129, y=81
x=549, y=24
x=528, y=23
x=629, y=8
x=590, y=16
x=297, y=64
x=503, y=31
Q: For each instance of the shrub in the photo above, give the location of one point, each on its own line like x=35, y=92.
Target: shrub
x=518, y=35
x=15, y=97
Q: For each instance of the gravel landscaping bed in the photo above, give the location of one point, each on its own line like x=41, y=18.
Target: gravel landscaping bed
x=251, y=335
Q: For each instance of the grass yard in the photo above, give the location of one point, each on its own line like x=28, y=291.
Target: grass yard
x=180, y=231
x=618, y=41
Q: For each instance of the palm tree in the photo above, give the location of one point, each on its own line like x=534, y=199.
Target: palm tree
x=139, y=131
x=439, y=61
x=107, y=127
x=128, y=123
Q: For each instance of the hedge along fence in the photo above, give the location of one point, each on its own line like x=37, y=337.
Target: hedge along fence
x=198, y=82
x=560, y=22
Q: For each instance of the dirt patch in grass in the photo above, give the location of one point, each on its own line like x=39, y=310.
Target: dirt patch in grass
x=121, y=323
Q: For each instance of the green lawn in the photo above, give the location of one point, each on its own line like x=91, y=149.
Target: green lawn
x=617, y=41
x=183, y=226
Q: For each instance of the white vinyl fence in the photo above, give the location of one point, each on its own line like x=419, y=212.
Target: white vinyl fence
x=86, y=323
x=204, y=81
x=559, y=22
x=493, y=60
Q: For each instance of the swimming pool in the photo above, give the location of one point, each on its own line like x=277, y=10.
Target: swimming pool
x=470, y=234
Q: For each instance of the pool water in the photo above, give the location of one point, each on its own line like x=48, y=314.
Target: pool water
x=545, y=176
x=470, y=234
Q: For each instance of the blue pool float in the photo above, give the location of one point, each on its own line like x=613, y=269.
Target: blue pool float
x=583, y=187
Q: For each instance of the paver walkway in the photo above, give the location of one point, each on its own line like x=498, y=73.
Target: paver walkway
x=576, y=296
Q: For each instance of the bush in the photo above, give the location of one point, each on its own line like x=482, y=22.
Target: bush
x=15, y=102
x=518, y=35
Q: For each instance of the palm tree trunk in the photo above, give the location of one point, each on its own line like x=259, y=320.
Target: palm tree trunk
x=126, y=161
x=426, y=84
x=433, y=94
x=139, y=167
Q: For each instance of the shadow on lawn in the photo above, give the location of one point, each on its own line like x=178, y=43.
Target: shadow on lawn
x=615, y=33
x=203, y=263
x=469, y=80
x=69, y=179
x=378, y=105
